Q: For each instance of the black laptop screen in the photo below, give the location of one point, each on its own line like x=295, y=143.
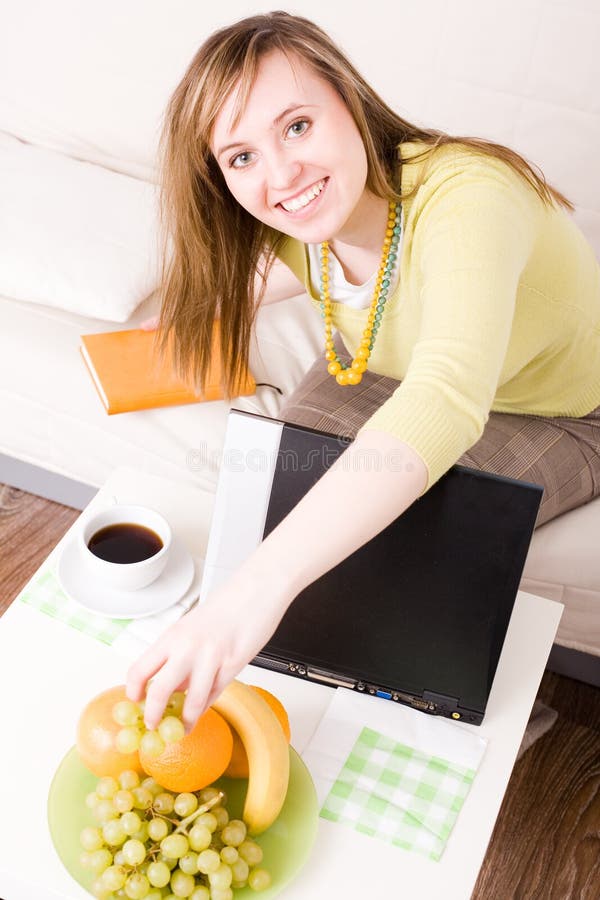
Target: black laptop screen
x=425, y=605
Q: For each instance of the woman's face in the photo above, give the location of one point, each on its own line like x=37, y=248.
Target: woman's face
x=295, y=160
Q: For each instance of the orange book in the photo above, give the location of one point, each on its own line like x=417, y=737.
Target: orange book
x=129, y=374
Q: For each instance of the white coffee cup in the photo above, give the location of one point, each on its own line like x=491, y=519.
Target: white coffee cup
x=125, y=576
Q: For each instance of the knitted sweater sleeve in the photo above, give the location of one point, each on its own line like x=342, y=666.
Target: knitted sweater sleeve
x=474, y=232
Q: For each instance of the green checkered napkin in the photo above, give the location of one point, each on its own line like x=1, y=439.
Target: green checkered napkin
x=400, y=795
x=45, y=593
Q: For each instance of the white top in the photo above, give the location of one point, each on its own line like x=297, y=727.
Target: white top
x=357, y=296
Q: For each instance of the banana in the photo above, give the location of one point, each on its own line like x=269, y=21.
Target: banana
x=267, y=750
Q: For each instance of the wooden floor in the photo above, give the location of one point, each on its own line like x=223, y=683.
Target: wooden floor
x=546, y=844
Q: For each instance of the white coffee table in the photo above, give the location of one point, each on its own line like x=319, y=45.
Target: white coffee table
x=48, y=671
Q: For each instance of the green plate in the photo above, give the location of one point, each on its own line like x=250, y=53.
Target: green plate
x=286, y=844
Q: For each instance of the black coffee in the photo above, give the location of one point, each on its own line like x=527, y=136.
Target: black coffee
x=125, y=542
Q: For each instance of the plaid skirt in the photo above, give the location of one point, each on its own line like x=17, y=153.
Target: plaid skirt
x=561, y=454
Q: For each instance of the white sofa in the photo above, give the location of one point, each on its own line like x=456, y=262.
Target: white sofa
x=82, y=90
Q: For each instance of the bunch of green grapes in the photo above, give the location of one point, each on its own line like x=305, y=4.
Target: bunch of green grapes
x=134, y=735
x=152, y=844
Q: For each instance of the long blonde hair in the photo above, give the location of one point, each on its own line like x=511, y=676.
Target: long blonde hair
x=213, y=246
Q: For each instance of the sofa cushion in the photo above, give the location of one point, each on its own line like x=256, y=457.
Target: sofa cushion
x=563, y=564
x=74, y=235
x=54, y=419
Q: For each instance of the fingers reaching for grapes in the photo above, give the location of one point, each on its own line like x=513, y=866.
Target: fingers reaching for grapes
x=200, y=693
x=143, y=669
x=162, y=686
x=207, y=648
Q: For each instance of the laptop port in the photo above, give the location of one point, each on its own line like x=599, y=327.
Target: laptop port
x=327, y=678
x=420, y=704
x=415, y=702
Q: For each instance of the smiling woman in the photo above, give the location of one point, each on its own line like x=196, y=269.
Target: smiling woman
x=299, y=165
x=466, y=300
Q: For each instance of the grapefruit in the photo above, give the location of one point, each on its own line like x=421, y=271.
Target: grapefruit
x=96, y=732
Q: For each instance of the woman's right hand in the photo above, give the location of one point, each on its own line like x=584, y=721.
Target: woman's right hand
x=150, y=324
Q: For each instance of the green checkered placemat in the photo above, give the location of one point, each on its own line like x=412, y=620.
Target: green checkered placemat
x=45, y=593
x=400, y=795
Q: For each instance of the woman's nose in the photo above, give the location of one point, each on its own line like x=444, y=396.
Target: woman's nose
x=283, y=170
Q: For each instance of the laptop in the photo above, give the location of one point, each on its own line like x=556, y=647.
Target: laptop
x=418, y=615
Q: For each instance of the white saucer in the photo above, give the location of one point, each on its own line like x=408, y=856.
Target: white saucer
x=167, y=590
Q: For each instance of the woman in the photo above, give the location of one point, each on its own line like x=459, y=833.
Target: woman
x=467, y=301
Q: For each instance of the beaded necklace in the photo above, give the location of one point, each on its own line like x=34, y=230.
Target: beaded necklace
x=352, y=374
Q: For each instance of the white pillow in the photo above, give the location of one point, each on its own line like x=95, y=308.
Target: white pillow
x=74, y=235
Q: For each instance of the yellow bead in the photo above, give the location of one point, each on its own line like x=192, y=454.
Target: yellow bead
x=362, y=353
x=368, y=332
x=365, y=343
x=389, y=232
x=328, y=318
x=330, y=354
x=387, y=241
x=359, y=365
x=333, y=368
x=342, y=377
x=354, y=377
x=329, y=345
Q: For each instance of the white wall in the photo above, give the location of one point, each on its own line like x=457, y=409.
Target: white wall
x=92, y=79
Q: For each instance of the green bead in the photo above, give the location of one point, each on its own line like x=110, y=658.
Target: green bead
x=396, y=229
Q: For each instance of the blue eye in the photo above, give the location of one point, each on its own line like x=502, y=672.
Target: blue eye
x=298, y=127
x=241, y=160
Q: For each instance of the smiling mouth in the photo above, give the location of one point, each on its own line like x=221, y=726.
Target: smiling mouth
x=302, y=201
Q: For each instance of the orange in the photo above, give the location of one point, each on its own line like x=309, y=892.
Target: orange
x=238, y=766
x=197, y=759
x=96, y=732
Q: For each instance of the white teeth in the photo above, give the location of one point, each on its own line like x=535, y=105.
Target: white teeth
x=304, y=199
